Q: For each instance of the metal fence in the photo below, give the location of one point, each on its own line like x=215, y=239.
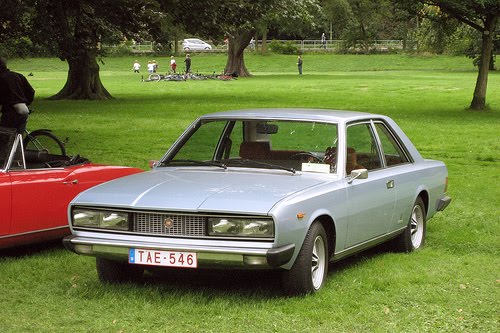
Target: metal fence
x=304, y=45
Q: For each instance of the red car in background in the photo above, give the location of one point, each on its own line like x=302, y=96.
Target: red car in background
x=36, y=188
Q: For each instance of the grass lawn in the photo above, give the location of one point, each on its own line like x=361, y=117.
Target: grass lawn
x=451, y=285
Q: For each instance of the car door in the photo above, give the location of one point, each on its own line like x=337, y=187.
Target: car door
x=371, y=201
x=40, y=198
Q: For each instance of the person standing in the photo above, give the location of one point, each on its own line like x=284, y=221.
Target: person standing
x=16, y=94
x=323, y=40
x=188, y=63
x=151, y=67
x=173, y=64
x=136, y=66
x=299, y=64
x=252, y=44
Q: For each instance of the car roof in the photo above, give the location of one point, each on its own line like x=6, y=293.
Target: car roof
x=299, y=114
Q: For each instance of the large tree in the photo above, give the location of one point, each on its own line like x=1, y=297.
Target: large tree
x=482, y=15
x=222, y=19
x=237, y=21
x=76, y=29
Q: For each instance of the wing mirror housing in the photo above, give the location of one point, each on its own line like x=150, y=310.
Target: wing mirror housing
x=357, y=174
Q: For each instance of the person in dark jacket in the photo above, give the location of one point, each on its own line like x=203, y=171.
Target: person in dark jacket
x=299, y=64
x=15, y=95
x=188, y=63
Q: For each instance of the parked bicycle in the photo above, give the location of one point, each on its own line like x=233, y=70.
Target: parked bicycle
x=43, y=140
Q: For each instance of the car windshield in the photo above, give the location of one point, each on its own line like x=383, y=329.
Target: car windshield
x=288, y=145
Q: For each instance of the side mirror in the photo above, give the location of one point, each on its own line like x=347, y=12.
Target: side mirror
x=153, y=164
x=357, y=174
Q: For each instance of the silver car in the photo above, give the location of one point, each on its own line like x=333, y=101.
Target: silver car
x=195, y=44
x=288, y=189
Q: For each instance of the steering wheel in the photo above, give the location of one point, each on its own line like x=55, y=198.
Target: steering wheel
x=307, y=154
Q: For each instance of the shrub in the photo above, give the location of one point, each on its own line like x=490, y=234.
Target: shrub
x=283, y=48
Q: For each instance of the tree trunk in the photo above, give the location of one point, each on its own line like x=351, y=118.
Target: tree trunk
x=264, y=41
x=83, y=80
x=479, y=98
x=235, y=54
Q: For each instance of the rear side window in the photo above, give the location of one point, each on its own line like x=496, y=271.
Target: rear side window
x=393, y=153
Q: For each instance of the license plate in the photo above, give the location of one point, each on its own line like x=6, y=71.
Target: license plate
x=162, y=258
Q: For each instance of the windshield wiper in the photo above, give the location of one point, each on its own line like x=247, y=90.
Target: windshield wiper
x=244, y=161
x=194, y=162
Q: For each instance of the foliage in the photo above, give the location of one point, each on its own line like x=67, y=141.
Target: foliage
x=295, y=18
x=283, y=47
x=450, y=286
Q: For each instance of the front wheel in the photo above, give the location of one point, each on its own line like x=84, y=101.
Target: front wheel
x=44, y=140
x=413, y=237
x=309, y=271
x=154, y=77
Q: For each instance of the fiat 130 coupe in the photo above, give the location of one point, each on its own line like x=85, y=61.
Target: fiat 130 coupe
x=284, y=189
x=36, y=187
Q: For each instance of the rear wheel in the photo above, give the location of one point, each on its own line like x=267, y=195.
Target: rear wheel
x=413, y=237
x=44, y=140
x=309, y=271
x=154, y=77
x=111, y=271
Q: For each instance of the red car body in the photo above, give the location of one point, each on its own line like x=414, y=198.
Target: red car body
x=34, y=199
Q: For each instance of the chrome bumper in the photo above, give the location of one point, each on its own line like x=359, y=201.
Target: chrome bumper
x=207, y=256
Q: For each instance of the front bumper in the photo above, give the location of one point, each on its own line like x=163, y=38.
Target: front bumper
x=208, y=256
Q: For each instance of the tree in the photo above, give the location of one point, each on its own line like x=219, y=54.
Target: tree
x=76, y=29
x=237, y=21
x=482, y=15
x=14, y=23
x=223, y=19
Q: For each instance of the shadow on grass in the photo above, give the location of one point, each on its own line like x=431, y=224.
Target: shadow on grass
x=216, y=281
x=32, y=249
x=247, y=283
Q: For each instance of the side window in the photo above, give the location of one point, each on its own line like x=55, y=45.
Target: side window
x=203, y=143
x=393, y=153
x=362, y=152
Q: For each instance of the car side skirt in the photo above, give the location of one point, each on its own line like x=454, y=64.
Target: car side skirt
x=366, y=245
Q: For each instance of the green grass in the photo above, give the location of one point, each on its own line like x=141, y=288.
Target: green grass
x=452, y=285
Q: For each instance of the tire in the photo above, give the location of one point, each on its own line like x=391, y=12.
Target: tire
x=111, y=271
x=309, y=271
x=413, y=238
x=154, y=77
x=43, y=140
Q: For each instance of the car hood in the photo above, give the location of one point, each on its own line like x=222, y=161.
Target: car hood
x=200, y=189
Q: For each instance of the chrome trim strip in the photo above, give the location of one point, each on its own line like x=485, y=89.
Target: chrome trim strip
x=34, y=232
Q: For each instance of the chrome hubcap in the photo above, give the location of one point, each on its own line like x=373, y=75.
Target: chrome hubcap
x=417, y=226
x=318, y=262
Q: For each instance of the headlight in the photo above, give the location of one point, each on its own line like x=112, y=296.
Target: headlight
x=242, y=227
x=100, y=219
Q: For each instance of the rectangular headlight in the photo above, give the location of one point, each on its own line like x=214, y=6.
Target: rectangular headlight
x=240, y=227
x=100, y=219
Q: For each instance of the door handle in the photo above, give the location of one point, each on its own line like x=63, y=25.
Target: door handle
x=71, y=182
x=390, y=183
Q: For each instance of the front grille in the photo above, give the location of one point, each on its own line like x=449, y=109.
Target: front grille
x=181, y=225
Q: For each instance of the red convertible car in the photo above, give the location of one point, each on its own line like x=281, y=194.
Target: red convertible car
x=36, y=188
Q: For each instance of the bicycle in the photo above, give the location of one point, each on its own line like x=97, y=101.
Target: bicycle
x=43, y=140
